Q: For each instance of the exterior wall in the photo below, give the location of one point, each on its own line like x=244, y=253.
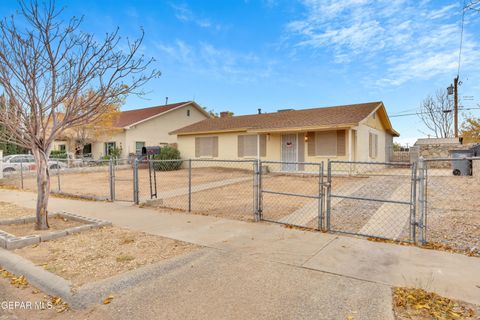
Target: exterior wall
x=228, y=148
x=57, y=143
x=98, y=148
x=153, y=132
x=367, y=126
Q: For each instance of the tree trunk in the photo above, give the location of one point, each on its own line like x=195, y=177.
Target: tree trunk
x=43, y=188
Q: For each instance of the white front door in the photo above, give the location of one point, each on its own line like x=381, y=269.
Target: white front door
x=289, y=151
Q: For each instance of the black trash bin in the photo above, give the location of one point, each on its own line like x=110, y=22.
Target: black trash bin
x=462, y=166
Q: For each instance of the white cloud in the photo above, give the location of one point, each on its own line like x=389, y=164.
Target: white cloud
x=206, y=59
x=185, y=14
x=407, y=38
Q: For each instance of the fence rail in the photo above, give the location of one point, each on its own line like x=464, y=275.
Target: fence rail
x=431, y=200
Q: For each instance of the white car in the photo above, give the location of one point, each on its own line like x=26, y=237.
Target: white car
x=15, y=162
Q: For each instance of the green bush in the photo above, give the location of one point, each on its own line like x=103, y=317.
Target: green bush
x=167, y=153
x=57, y=154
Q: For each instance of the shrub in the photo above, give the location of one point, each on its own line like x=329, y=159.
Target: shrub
x=57, y=154
x=167, y=153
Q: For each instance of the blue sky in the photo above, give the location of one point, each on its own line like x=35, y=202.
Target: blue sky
x=240, y=55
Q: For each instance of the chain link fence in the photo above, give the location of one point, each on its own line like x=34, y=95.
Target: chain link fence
x=449, y=208
x=431, y=200
x=209, y=187
x=88, y=179
x=372, y=199
x=292, y=193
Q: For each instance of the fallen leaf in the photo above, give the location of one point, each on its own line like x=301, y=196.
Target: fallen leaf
x=108, y=299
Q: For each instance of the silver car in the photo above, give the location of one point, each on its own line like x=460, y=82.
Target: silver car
x=15, y=162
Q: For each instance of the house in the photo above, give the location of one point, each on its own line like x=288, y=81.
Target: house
x=357, y=132
x=142, y=127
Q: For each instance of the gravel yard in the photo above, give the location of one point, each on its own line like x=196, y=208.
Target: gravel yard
x=101, y=253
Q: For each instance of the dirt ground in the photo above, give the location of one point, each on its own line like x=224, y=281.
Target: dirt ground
x=101, y=253
x=55, y=223
x=10, y=211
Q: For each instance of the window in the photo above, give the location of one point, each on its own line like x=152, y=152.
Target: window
x=62, y=147
x=188, y=113
x=87, y=149
x=326, y=143
x=206, y=147
x=109, y=146
x=247, y=145
x=138, y=146
x=373, y=145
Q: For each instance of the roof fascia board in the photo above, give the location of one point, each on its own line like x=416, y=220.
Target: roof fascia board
x=157, y=115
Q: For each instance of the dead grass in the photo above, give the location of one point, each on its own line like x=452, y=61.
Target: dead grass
x=102, y=253
x=418, y=304
x=26, y=229
x=10, y=210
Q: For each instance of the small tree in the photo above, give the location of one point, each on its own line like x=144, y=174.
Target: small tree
x=102, y=127
x=470, y=129
x=55, y=77
x=437, y=114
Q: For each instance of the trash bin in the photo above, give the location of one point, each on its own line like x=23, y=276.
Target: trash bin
x=461, y=167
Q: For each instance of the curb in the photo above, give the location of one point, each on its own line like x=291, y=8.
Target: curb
x=95, y=292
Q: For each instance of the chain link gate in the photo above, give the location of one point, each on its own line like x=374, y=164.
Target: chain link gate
x=292, y=197
x=123, y=180
x=372, y=199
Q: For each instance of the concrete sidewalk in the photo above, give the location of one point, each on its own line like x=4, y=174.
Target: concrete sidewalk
x=452, y=275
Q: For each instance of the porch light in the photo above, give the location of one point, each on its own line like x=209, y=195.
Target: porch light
x=306, y=138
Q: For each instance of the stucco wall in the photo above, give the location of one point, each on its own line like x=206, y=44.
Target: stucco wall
x=367, y=126
x=153, y=132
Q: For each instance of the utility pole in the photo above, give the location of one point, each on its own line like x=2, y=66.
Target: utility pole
x=455, y=105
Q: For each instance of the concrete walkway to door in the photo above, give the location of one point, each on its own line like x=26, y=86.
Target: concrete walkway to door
x=452, y=275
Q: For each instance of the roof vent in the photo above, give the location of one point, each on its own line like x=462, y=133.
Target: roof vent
x=284, y=110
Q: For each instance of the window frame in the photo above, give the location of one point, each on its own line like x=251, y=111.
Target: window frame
x=107, y=149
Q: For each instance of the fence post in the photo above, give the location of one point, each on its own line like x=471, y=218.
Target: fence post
x=111, y=178
x=422, y=197
x=58, y=175
x=21, y=173
x=189, y=185
x=413, y=204
x=256, y=211
x=320, y=198
x=329, y=192
x=136, y=199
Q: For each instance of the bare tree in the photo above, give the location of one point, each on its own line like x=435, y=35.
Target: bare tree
x=437, y=114
x=47, y=67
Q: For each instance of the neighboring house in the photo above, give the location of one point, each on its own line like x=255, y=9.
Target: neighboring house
x=360, y=132
x=143, y=127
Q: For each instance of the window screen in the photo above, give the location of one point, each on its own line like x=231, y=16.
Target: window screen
x=206, y=146
x=326, y=143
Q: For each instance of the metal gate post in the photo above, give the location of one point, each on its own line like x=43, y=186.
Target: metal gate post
x=21, y=173
x=413, y=204
x=136, y=199
x=422, y=196
x=260, y=194
x=255, y=191
x=111, y=178
x=329, y=192
x=320, y=198
x=58, y=175
x=189, y=185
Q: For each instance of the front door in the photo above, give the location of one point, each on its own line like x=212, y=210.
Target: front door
x=289, y=152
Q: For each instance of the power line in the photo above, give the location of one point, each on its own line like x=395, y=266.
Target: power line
x=417, y=113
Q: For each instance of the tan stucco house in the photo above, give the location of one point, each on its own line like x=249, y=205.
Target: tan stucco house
x=357, y=132
x=143, y=127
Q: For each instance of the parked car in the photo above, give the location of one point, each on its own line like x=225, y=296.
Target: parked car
x=14, y=162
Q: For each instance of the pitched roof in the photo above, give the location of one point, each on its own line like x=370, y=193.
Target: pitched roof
x=127, y=118
x=345, y=115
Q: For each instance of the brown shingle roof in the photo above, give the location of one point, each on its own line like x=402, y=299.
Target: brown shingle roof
x=317, y=117
x=127, y=118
